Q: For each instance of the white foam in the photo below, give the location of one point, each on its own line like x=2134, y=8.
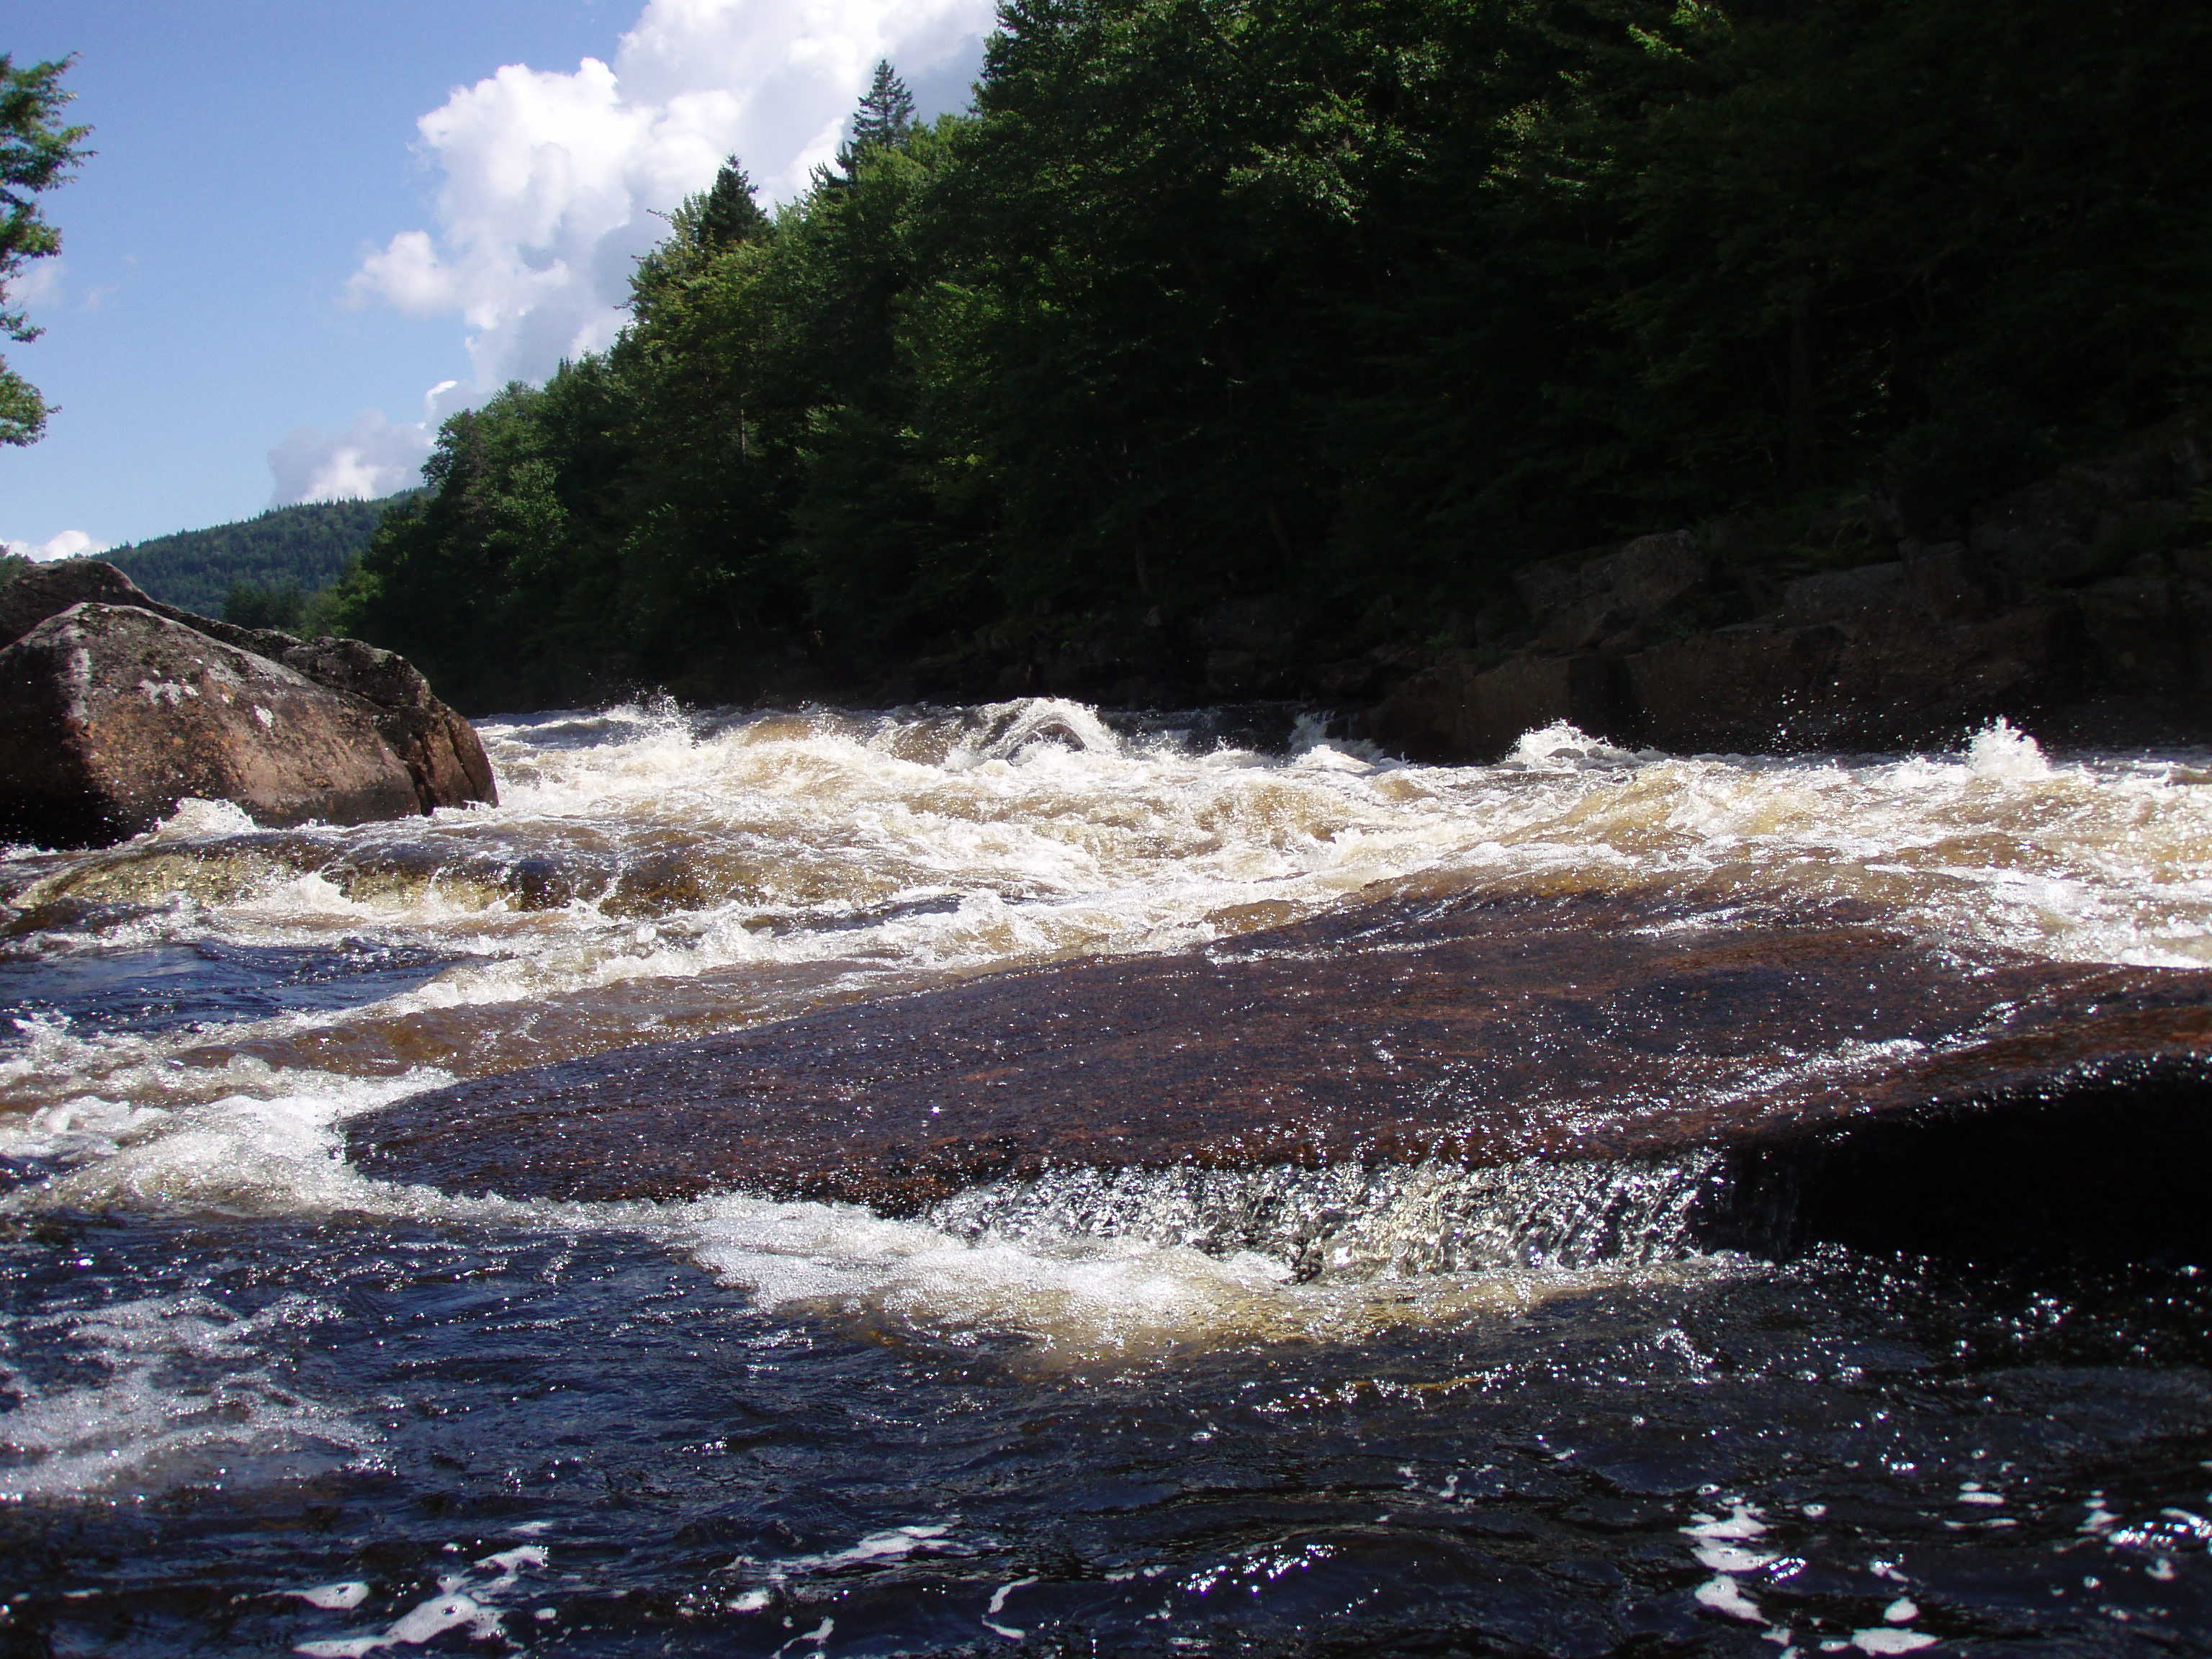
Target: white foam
x=1563, y=747
x=1728, y=1558
x=194, y=818
x=334, y=1598
x=1069, y=1297
x=1889, y=1639
x=180, y=1397
x=1723, y=1594
x=2000, y=749
x=465, y=1600
x=1037, y=809
x=448, y=1610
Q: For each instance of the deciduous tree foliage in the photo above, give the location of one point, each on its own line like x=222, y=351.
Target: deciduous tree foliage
x=1343, y=308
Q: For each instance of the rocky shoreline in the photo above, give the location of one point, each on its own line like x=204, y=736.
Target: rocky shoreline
x=2080, y=608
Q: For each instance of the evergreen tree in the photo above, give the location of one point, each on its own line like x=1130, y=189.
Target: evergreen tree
x=1350, y=308
x=306, y=547
x=728, y=214
x=883, y=120
x=723, y=216
x=885, y=116
x=35, y=156
x=259, y=604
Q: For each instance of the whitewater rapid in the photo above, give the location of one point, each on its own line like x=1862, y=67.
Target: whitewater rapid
x=652, y=872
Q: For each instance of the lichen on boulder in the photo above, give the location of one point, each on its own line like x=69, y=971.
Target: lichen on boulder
x=117, y=707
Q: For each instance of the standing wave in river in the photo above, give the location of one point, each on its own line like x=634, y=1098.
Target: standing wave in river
x=257, y=1400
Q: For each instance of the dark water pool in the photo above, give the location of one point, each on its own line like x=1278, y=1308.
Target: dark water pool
x=581, y=1444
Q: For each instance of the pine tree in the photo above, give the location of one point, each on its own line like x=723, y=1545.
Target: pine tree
x=728, y=214
x=886, y=112
x=35, y=156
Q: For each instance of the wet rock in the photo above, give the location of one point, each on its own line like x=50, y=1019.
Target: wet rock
x=444, y=759
x=1456, y=711
x=1579, y=601
x=1879, y=677
x=115, y=714
x=1583, y=1028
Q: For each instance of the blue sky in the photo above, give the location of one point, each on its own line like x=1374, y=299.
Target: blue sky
x=305, y=221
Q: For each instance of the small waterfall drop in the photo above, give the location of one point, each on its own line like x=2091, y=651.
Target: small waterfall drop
x=1350, y=1223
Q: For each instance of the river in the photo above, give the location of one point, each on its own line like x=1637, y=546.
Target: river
x=257, y=1402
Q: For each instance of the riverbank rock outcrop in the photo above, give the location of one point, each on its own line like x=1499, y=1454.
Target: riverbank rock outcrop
x=2080, y=608
x=117, y=707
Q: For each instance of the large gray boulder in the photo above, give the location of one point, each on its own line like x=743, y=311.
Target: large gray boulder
x=117, y=707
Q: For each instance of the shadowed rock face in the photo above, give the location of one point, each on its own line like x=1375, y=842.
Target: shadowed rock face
x=2041, y=616
x=1481, y=1031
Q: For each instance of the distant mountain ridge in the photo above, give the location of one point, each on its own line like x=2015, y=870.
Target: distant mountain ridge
x=304, y=547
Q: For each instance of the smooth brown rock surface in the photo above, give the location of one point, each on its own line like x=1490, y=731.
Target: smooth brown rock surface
x=1586, y=1026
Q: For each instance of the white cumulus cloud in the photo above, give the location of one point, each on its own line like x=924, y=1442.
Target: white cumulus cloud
x=371, y=457
x=551, y=179
x=69, y=545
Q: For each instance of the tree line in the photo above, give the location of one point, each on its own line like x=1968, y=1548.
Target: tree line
x=268, y=571
x=1339, y=308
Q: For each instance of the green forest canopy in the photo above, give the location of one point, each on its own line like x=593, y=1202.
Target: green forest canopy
x=1341, y=310
x=297, y=551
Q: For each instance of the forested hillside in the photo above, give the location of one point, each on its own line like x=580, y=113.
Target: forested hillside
x=1221, y=324
x=287, y=550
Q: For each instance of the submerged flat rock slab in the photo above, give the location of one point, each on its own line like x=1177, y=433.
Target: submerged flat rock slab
x=1478, y=1030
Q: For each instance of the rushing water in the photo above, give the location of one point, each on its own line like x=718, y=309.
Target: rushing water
x=257, y=1402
